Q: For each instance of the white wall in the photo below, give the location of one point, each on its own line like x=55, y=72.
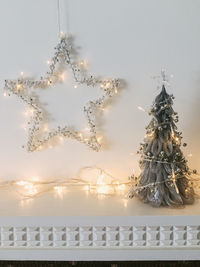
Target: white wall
x=129, y=39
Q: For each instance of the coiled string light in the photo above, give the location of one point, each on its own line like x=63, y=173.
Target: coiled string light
x=101, y=183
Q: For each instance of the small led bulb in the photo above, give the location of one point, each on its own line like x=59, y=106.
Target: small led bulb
x=62, y=76
x=62, y=35
x=99, y=139
x=45, y=128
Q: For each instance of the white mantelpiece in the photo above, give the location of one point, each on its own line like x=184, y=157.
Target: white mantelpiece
x=83, y=227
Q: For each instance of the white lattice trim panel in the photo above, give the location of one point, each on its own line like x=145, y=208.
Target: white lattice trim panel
x=100, y=237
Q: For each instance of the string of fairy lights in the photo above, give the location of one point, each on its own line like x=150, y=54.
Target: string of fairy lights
x=39, y=134
x=101, y=184
x=193, y=181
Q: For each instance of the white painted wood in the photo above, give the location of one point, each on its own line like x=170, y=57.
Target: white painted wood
x=101, y=234
x=100, y=238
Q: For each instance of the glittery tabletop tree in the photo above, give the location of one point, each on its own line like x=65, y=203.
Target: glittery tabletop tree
x=165, y=176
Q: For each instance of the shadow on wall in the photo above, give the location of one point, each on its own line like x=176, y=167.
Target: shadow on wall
x=194, y=125
x=100, y=120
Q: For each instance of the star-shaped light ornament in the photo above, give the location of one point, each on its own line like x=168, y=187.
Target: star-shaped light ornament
x=38, y=136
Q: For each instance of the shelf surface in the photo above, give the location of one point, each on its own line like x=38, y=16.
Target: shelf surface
x=83, y=226
x=79, y=203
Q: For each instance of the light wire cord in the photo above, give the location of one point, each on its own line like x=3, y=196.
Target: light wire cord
x=59, y=17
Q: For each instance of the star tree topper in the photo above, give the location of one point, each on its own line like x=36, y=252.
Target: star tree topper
x=64, y=56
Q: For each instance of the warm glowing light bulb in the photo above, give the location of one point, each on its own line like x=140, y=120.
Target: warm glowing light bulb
x=31, y=110
x=28, y=112
x=75, y=86
x=4, y=94
x=31, y=189
x=60, y=190
x=121, y=187
x=102, y=187
x=141, y=108
x=150, y=134
x=48, y=62
x=62, y=76
x=99, y=139
x=46, y=128
x=177, y=140
x=62, y=35
x=24, y=127
x=21, y=183
x=18, y=86
x=83, y=63
x=86, y=188
x=22, y=73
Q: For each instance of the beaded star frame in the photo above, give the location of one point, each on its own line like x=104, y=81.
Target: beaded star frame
x=23, y=88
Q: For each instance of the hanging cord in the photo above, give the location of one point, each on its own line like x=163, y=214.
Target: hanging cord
x=59, y=17
x=67, y=16
x=58, y=9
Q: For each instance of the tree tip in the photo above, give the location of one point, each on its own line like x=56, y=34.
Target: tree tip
x=163, y=89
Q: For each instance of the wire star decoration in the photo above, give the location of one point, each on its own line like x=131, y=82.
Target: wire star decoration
x=24, y=88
